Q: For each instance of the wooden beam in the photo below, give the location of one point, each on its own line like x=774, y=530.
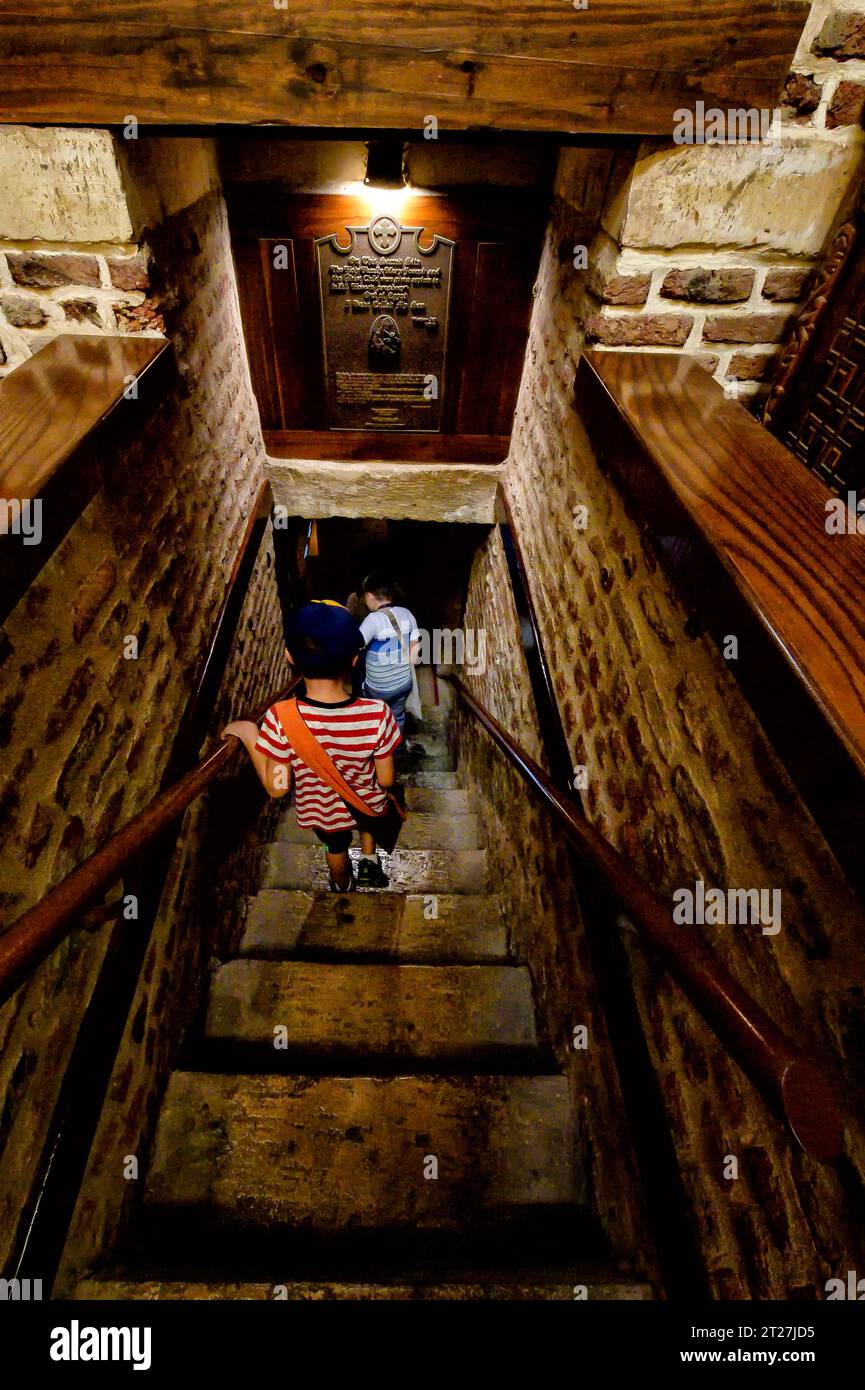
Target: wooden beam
x=400, y=447
x=616, y=66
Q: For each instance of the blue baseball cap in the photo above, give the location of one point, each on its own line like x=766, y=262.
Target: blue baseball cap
x=323, y=637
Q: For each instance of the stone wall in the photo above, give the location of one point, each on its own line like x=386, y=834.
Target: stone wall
x=86, y=733
x=530, y=869
x=706, y=248
x=684, y=783
x=73, y=258
x=214, y=869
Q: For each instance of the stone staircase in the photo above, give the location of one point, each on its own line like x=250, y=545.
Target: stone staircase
x=372, y=1110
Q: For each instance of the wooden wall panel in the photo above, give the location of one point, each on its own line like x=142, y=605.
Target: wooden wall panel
x=256, y=323
x=284, y=316
x=498, y=241
x=497, y=336
x=618, y=65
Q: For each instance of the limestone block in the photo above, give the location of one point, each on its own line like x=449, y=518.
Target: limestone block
x=341, y=1010
x=781, y=194
x=468, y=928
x=61, y=185
x=421, y=492
x=334, y=1154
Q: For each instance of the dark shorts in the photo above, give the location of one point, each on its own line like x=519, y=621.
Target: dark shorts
x=338, y=841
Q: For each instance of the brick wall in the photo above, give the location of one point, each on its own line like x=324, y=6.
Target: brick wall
x=45, y=293
x=530, y=870
x=86, y=733
x=706, y=249
x=683, y=781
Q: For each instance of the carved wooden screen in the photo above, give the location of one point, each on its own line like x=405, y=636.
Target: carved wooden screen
x=817, y=402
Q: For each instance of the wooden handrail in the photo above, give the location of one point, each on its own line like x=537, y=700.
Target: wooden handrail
x=791, y=1082
x=62, y=414
x=27, y=942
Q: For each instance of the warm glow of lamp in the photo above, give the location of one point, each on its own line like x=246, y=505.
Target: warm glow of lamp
x=377, y=201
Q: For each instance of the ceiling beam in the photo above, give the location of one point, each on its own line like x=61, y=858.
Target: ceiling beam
x=617, y=66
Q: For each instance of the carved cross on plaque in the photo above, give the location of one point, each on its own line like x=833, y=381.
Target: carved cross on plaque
x=385, y=299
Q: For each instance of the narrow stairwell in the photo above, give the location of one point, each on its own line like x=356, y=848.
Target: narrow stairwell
x=372, y=1109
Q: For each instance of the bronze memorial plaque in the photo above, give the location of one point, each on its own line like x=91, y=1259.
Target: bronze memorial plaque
x=384, y=321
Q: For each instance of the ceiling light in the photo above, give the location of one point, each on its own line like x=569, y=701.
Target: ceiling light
x=385, y=168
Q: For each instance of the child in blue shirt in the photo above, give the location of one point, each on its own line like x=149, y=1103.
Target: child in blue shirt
x=392, y=643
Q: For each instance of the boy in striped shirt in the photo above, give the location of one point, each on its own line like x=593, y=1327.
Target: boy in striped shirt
x=359, y=735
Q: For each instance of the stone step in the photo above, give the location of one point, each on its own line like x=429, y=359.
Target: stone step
x=277, y=1156
x=422, y=830
x=427, y=750
x=436, y=720
x=288, y=1015
x=438, y=801
x=488, y=1290
x=383, y=926
x=409, y=870
x=431, y=741
x=439, y=781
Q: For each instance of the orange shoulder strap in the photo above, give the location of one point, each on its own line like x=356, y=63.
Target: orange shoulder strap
x=310, y=751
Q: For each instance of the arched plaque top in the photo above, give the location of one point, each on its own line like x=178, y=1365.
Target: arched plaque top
x=382, y=240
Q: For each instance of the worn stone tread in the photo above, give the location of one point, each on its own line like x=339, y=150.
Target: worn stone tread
x=482, y=1291
x=333, y=1155
x=438, y=800
x=410, y=870
x=422, y=830
x=444, y=781
x=407, y=1013
x=385, y=926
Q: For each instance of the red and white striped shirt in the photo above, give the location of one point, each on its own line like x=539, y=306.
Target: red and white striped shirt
x=352, y=733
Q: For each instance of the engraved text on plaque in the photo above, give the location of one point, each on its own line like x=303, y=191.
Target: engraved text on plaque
x=384, y=318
